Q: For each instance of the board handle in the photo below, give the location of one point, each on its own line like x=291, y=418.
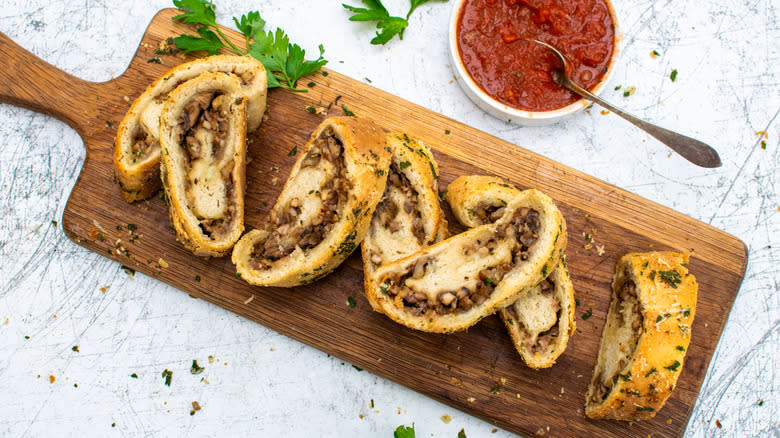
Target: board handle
x=30, y=82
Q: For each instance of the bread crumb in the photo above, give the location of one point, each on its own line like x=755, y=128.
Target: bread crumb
x=361, y=416
x=600, y=250
x=274, y=181
x=669, y=421
x=473, y=399
x=127, y=99
x=604, y=112
x=446, y=419
x=494, y=431
x=249, y=300
x=104, y=289
x=211, y=359
x=52, y=378
x=162, y=263
x=717, y=423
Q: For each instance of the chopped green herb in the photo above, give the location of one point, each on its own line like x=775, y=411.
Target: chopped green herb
x=673, y=75
x=447, y=132
x=155, y=60
x=680, y=348
x=357, y=368
x=167, y=375
x=324, y=73
x=489, y=281
x=674, y=366
x=587, y=314
x=293, y=151
x=652, y=275
x=404, y=164
x=618, y=87
x=404, y=432
x=348, y=245
x=75, y=348
x=129, y=271
x=347, y=112
x=238, y=275
x=686, y=312
x=576, y=302
x=368, y=80
x=26, y=337
x=109, y=124
x=496, y=389
x=195, y=369
x=655, y=53
x=380, y=172
x=134, y=375
x=311, y=84
x=197, y=278
x=351, y=302
x=647, y=409
x=383, y=287
x=311, y=109
x=672, y=278
x=626, y=377
x=371, y=405
x=645, y=265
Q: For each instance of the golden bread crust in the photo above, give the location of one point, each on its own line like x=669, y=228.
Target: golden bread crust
x=666, y=295
x=138, y=175
x=476, y=200
x=467, y=254
x=366, y=160
x=207, y=189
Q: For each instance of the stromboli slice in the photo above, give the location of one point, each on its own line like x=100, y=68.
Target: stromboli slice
x=203, y=141
x=137, y=147
x=324, y=209
x=453, y=284
x=645, y=337
x=409, y=216
x=541, y=320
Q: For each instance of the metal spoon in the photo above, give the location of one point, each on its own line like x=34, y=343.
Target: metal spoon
x=691, y=149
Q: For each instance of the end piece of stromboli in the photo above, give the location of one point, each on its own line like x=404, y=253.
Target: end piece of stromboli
x=645, y=338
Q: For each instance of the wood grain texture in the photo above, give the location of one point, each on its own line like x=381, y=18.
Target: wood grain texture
x=480, y=363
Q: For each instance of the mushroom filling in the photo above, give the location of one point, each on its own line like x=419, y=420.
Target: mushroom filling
x=487, y=213
x=398, y=212
x=621, y=334
x=142, y=145
x=518, y=235
x=304, y=221
x=539, y=324
x=209, y=184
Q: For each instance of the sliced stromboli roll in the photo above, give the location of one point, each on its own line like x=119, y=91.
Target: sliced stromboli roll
x=409, y=216
x=541, y=320
x=453, y=284
x=646, y=335
x=137, y=146
x=325, y=207
x=203, y=141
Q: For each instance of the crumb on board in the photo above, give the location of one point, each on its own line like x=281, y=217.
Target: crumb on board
x=473, y=399
x=249, y=300
x=162, y=263
x=446, y=419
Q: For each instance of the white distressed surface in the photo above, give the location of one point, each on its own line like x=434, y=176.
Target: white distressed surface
x=264, y=384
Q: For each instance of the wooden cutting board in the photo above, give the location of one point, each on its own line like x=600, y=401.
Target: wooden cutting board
x=477, y=371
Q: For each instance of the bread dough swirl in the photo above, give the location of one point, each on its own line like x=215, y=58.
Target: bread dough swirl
x=137, y=144
x=453, y=284
x=409, y=216
x=324, y=209
x=541, y=320
x=203, y=142
x=645, y=338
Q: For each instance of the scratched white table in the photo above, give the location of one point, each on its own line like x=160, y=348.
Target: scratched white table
x=258, y=382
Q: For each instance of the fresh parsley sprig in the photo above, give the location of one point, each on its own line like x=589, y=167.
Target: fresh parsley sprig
x=389, y=26
x=284, y=61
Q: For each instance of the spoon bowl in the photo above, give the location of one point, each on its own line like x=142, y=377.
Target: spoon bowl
x=689, y=148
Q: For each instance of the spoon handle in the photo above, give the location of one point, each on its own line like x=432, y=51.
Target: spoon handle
x=695, y=151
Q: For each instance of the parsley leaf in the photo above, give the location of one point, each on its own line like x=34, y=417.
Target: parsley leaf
x=388, y=26
x=404, y=432
x=284, y=61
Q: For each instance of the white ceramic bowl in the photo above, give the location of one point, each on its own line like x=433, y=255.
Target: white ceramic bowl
x=505, y=112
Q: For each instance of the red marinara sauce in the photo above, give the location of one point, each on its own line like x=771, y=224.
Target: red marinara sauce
x=492, y=41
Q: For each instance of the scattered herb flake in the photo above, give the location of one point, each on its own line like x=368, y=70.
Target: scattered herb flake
x=680, y=348
x=404, y=164
x=311, y=84
x=195, y=369
x=672, y=278
x=674, y=366
x=673, y=75
x=351, y=302
x=75, y=348
x=587, y=314
x=293, y=151
x=647, y=409
x=447, y=132
x=576, y=302
x=357, y=368
x=347, y=112
x=134, y=376
x=655, y=54
x=155, y=60
x=167, y=375
x=311, y=109
x=197, y=278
